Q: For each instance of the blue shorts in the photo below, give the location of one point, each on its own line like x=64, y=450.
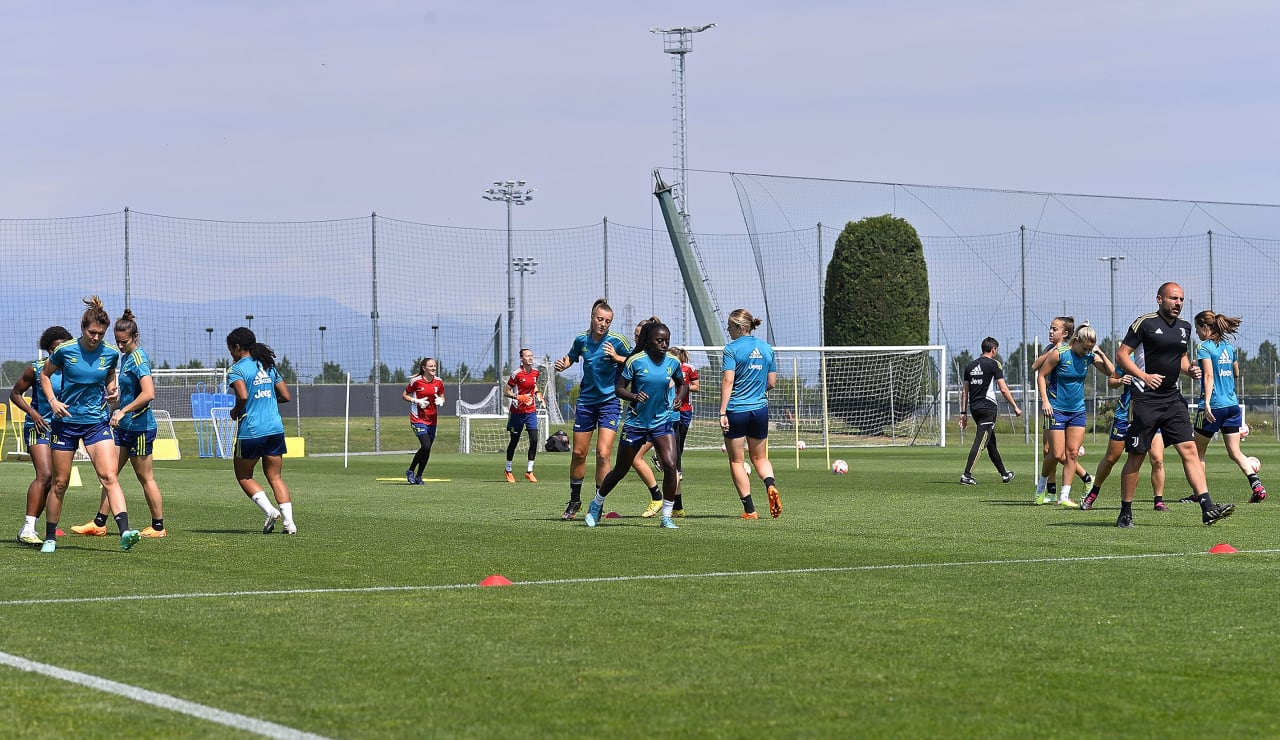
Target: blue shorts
x=135, y=444
x=1064, y=419
x=1227, y=420
x=420, y=429
x=67, y=437
x=607, y=415
x=1119, y=428
x=637, y=437
x=269, y=446
x=518, y=422
x=686, y=418
x=753, y=424
x=31, y=438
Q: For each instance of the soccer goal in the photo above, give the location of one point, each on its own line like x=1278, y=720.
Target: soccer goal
x=837, y=397
x=482, y=426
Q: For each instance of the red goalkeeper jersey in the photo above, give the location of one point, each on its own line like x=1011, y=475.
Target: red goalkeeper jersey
x=420, y=387
x=524, y=383
x=690, y=375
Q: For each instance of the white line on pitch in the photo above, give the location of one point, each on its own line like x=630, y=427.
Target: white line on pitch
x=163, y=701
x=610, y=579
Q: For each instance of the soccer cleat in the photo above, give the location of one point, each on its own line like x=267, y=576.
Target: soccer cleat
x=409, y=476
x=129, y=538
x=677, y=513
x=775, y=503
x=153, y=532
x=653, y=509
x=29, y=537
x=1087, y=502
x=1007, y=477
x=290, y=528
x=967, y=480
x=1161, y=506
x=657, y=464
x=511, y=478
x=595, y=512
x=1192, y=499
x=750, y=515
x=1259, y=493
x=1066, y=503
x=571, y=510
x=1043, y=497
x=1125, y=520
x=529, y=477
x=666, y=523
x=269, y=525
x=90, y=530
x=1217, y=512
x=49, y=546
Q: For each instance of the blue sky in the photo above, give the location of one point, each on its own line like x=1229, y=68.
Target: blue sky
x=296, y=110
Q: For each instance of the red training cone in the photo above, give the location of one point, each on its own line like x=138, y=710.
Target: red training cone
x=1222, y=548
x=613, y=515
x=495, y=580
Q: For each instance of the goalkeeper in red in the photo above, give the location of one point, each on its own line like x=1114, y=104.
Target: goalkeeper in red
x=522, y=389
x=425, y=393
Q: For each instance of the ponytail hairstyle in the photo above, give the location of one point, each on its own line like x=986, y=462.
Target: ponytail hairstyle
x=94, y=314
x=1068, y=326
x=1219, y=325
x=646, y=333
x=640, y=332
x=601, y=303
x=681, y=354
x=743, y=319
x=244, y=338
x=127, y=324
x=422, y=367
x=53, y=336
x=1085, y=338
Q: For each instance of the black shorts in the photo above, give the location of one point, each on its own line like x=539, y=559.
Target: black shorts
x=984, y=413
x=1169, y=416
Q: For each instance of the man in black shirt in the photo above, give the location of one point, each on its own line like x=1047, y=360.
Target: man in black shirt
x=1157, y=402
x=981, y=378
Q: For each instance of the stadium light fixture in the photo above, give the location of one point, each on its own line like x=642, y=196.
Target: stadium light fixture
x=524, y=265
x=509, y=192
x=1115, y=261
x=249, y=318
x=212, y=360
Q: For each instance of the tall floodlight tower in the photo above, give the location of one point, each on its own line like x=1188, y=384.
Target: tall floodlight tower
x=678, y=42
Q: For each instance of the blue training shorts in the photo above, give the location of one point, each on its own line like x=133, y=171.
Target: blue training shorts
x=68, y=436
x=753, y=424
x=135, y=444
x=590, y=417
x=269, y=446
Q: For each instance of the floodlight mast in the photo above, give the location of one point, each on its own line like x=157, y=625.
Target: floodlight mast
x=678, y=42
x=511, y=192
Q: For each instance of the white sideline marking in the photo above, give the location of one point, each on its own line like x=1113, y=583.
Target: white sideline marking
x=611, y=579
x=163, y=701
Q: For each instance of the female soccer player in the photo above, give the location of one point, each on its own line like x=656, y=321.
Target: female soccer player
x=683, y=423
x=522, y=389
x=750, y=370
x=133, y=428
x=259, y=391
x=598, y=408
x=642, y=468
x=1060, y=381
x=1060, y=331
x=1219, y=407
x=79, y=406
x=35, y=431
x=1115, y=447
x=645, y=383
x=426, y=394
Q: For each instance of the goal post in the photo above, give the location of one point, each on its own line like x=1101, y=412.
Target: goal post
x=482, y=426
x=837, y=397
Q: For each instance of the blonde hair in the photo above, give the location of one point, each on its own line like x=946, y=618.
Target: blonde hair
x=1219, y=325
x=1085, y=338
x=743, y=319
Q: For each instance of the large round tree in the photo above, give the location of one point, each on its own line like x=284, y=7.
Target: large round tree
x=877, y=285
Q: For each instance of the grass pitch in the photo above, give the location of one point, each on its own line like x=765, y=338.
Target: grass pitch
x=888, y=602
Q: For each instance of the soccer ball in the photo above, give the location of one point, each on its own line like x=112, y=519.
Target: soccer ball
x=1254, y=464
x=801, y=445
x=746, y=466
x=1081, y=452
x=723, y=448
x=1244, y=431
x=839, y=467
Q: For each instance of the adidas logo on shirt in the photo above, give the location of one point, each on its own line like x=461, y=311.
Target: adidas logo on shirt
x=755, y=354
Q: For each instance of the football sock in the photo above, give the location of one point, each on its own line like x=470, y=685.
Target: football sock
x=1041, y=483
x=598, y=499
x=509, y=463
x=667, y=506
x=100, y=519
x=655, y=493
x=1159, y=499
x=1086, y=479
x=1126, y=507
x=260, y=498
x=769, y=481
x=31, y=523
x=1095, y=490
x=286, y=511
x=50, y=530
x=157, y=525
x=747, y=504
x=575, y=490
x=1206, y=503
x=679, y=501
x=122, y=521
x=1253, y=479
x=529, y=467
x=1066, y=493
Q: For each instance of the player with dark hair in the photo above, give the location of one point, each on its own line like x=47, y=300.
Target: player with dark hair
x=1157, y=402
x=982, y=378
x=36, y=430
x=1061, y=385
x=522, y=389
x=133, y=427
x=642, y=468
x=598, y=409
x=645, y=383
x=749, y=372
x=426, y=394
x=80, y=414
x=683, y=423
x=260, y=434
x=1220, y=409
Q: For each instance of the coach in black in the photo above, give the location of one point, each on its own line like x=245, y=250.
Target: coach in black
x=981, y=378
x=1157, y=402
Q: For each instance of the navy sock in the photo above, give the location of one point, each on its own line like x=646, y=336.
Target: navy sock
x=747, y=504
x=575, y=490
x=122, y=521
x=100, y=519
x=655, y=493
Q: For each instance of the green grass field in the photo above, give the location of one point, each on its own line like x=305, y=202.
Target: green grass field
x=888, y=602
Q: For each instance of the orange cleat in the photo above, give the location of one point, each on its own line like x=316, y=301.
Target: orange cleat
x=510, y=478
x=153, y=532
x=90, y=530
x=751, y=515
x=529, y=477
x=775, y=503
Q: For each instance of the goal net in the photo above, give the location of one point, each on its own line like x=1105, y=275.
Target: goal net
x=836, y=397
x=175, y=389
x=482, y=426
